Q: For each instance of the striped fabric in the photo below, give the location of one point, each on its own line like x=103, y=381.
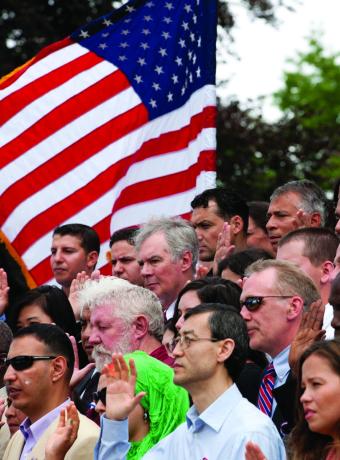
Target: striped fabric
x=109, y=127
x=265, y=400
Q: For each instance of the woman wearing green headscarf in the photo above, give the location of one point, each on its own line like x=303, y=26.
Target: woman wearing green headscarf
x=162, y=405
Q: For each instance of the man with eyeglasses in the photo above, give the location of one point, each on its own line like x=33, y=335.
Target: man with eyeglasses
x=209, y=354
x=39, y=368
x=274, y=296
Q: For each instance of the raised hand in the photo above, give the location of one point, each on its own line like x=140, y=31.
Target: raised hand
x=65, y=434
x=253, y=452
x=120, y=392
x=310, y=330
x=223, y=248
x=4, y=288
x=78, y=374
x=76, y=285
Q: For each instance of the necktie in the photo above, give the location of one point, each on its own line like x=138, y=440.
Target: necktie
x=265, y=400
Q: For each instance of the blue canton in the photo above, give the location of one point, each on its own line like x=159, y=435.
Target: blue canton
x=165, y=48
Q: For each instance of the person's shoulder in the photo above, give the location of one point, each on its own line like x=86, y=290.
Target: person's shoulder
x=249, y=417
x=87, y=424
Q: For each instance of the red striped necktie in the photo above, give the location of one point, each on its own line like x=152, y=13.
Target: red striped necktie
x=265, y=400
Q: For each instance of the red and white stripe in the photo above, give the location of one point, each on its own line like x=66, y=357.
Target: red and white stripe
x=76, y=146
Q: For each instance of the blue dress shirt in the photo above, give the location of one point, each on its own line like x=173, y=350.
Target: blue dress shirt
x=218, y=433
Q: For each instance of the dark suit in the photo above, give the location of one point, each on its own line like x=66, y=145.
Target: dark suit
x=285, y=397
x=82, y=393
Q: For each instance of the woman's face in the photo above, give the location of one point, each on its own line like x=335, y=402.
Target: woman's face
x=320, y=396
x=188, y=300
x=32, y=314
x=14, y=417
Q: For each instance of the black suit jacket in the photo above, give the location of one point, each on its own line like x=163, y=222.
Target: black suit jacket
x=284, y=414
x=82, y=393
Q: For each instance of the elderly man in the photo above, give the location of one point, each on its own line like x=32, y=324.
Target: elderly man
x=274, y=296
x=39, y=368
x=167, y=251
x=124, y=257
x=209, y=352
x=313, y=250
x=75, y=248
x=124, y=318
x=295, y=204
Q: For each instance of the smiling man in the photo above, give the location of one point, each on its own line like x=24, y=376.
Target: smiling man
x=39, y=368
x=274, y=296
x=294, y=205
x=75, y=248
x=209, y=355
x=167, y=252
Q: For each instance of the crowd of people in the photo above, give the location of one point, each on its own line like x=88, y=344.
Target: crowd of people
x=213, y=339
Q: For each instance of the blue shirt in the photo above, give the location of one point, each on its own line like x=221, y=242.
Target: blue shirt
x=218, y=433
x=281, y=366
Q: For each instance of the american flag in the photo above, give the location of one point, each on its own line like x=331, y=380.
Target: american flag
x=109, y=127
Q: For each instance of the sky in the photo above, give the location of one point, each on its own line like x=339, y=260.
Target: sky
x=263, y=50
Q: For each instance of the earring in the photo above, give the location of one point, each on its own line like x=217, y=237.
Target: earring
x=145, y=416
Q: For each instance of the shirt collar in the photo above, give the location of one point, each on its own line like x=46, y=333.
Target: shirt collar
x=281, y=364
x=213, y=416
x=36, y=429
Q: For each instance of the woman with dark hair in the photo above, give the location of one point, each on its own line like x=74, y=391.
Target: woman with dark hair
x=257, y=236
x=316, y=435
x=44, y=304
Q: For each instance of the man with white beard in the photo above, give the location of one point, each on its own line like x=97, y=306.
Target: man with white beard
x=124, y=318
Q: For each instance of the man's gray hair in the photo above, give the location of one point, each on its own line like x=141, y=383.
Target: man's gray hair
x=290, y=280
x=127, y=300
x=179, y=234
x=312, y=198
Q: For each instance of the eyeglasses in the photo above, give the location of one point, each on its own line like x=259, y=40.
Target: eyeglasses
x=252, y=303
x=185, y=341
x=99, y=396
x=20, y=363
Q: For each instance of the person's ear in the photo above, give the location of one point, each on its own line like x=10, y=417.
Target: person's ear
x=226, y=347
x=236, y=224
x=315, y=219
x=58, y=368
x=327, y=269
x=92, y=259
x=295, y=307
x=140, y=327
x=186, y=261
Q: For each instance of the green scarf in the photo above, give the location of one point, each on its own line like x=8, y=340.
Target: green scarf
x=165, y=402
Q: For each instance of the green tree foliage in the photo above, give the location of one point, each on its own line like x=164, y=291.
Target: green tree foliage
x=256, y=156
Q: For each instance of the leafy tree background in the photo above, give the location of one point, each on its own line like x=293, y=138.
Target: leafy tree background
x=254, y=156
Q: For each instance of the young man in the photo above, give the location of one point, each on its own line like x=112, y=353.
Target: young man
x=209, y=354
x=39, y=368
x=75, y=248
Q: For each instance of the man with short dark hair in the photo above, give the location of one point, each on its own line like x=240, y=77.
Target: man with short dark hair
x=209, y=353
x=124, y=257
x=313, y=250
x=75, y=248
x=211, y=209
x=39, y=368
x=296, y=204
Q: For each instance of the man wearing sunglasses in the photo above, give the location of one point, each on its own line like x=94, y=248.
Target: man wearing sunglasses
x=275, y=293
x=39, y=368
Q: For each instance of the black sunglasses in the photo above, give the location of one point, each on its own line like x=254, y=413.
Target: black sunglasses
x=99, y=396
x=20, y=363
x=252, y=303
